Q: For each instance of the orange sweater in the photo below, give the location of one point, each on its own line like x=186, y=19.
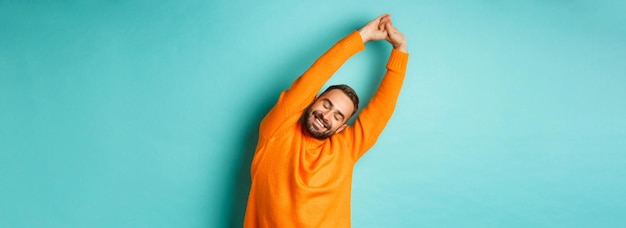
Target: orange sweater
x=300, y=181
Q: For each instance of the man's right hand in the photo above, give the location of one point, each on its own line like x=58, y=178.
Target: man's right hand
x=395, y=37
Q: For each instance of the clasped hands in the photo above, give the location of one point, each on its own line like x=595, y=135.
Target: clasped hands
x=381, y=28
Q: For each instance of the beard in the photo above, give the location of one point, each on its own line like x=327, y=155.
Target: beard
x=311, y=127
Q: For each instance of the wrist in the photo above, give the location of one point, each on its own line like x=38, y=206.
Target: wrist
x=401, y=48
x=364, y=35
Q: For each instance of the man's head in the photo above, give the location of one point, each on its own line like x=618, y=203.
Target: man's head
x=330, y=111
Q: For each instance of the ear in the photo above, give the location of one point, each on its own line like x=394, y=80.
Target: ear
x=341, y=128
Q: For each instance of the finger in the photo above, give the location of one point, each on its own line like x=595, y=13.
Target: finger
x=381, y=25
x=387, y=18
x=377, y=19
x=382, y=16
x=383, y=22
x=390, y=29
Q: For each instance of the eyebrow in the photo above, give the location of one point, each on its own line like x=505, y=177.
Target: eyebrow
x=332, y=105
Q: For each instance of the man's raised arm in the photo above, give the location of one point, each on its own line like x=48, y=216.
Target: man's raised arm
x=373, y=119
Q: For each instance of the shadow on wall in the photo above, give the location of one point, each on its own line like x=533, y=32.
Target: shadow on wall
x=279, y=80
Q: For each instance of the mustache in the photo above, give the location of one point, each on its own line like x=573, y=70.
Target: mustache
x=319, y=115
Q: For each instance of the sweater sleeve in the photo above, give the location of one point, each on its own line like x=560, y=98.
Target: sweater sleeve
x=373, y=119
x=303, y=90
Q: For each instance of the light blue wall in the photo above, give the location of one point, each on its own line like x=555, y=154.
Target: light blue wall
x=144, y=113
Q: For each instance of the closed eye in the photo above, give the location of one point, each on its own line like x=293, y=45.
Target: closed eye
x=339, y=116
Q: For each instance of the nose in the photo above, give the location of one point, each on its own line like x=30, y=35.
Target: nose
x=327, y=116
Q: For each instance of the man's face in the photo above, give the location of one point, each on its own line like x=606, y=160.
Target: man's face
x=328, y=114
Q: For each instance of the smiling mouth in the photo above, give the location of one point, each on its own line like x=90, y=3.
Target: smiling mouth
x=320, y=124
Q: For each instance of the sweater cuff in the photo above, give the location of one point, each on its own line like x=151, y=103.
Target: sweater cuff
x=398, y=60
x=354, y=41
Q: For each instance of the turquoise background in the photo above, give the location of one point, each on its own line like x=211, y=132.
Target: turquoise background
x=145, y=113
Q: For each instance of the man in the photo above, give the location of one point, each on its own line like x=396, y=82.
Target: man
x=302, y=167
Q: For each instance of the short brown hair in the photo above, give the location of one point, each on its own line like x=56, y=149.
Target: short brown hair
x=348, y=91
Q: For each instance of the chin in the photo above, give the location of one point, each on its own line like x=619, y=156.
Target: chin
x=310, y=129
